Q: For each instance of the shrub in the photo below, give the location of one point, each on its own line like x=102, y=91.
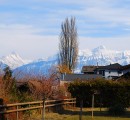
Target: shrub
x=109, y=92
x=117, y=109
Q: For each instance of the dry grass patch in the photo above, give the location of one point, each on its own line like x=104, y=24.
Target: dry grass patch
x=73, y=114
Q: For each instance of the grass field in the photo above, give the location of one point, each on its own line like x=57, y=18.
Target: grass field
x=73, y=114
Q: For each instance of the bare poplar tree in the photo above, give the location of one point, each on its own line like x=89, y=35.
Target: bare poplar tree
x=68, y=46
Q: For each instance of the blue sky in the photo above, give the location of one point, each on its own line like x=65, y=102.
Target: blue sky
x=32, y=27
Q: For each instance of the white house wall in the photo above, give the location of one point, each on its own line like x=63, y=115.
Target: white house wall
x=111, y=73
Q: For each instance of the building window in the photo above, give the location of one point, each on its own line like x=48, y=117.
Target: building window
x=100, y=72
x=119, y=72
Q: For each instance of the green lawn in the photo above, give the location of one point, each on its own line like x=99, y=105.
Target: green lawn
x=73, y=114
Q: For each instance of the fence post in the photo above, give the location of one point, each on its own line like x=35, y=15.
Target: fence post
x=43, y=110
x=17, y=112
x=29, y=112
x=92, y=104
x=40, y=108
x=81, y=109
x=72, y=103
x=75, y=103
x=1, y=109
x=66, y=104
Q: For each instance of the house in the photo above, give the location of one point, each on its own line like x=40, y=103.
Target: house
x=111, y=71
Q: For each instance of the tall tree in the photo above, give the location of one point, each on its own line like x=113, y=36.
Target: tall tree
x=68, y=46
x=9, y=83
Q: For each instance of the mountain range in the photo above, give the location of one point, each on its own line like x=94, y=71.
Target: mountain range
x=100, y=55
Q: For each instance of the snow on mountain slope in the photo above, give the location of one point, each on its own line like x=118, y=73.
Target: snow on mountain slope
x=100, y=55
x=34, y=68
x=104, y=56
x=13, y=60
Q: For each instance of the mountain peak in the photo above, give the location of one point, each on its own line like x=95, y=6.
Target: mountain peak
x=99, y=48
x=13, y=55
x=13, y=60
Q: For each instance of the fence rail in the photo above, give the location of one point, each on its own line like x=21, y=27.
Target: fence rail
x=18, y=107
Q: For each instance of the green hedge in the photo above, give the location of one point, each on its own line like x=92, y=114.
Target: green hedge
x=110, y=92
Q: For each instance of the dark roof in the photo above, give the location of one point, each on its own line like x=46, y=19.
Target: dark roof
x=115, y=66
x=88, y=68
x=71, y=77
x=20, y=83
x=28, y=83
x=125, y=67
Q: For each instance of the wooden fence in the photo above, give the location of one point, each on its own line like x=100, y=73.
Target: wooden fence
x=18, y=107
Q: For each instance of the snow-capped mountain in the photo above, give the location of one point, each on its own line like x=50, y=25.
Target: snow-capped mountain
x=103, y=56
x=100, y=55
x=13, y=60
x=35, y=68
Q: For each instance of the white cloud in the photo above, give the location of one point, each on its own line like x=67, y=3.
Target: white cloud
x=22, y=39
x=33, y=29
x=116, y=15
x=115, y=43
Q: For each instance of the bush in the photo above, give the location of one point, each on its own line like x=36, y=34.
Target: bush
x=110, y=92
x=117, y=109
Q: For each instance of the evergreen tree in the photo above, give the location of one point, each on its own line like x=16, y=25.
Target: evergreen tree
x=9, y=83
